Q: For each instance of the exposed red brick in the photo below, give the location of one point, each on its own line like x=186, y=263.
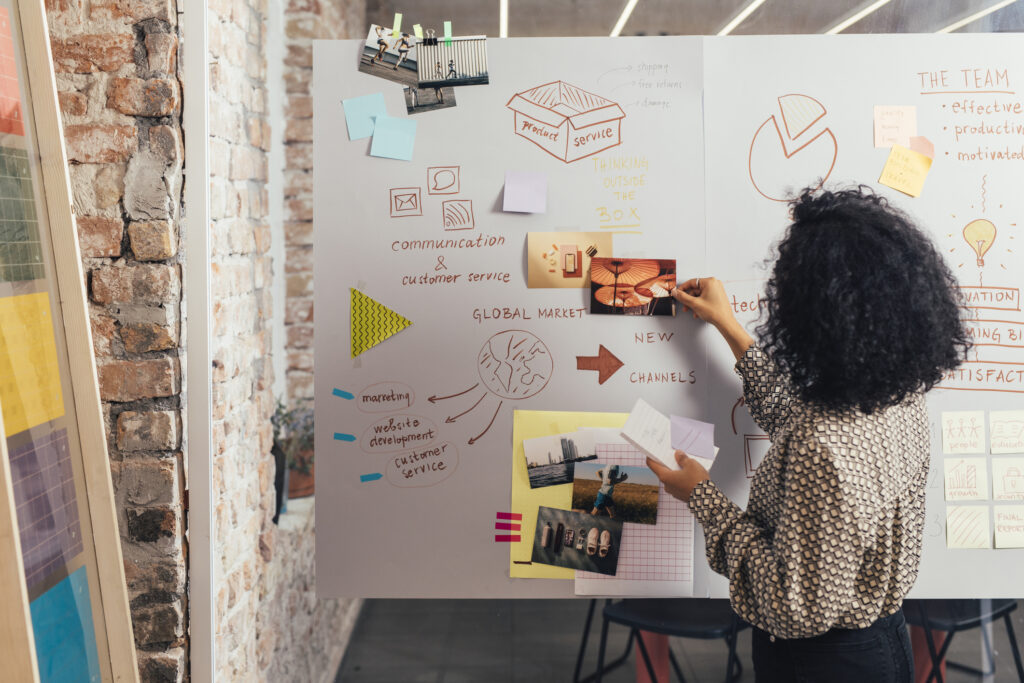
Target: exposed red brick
x=73, y=103
x=156, y=430
x=143, y=337
x=100, y=143
x=104, y=332
x=143, y=97
x=133, y=11
x=153, y=240
x=92, y=52
x=145, y=284
x=100, y=237
x=161, y=50
x=131, y=380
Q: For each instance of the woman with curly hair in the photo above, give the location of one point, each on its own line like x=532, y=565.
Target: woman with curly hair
x=862, y=319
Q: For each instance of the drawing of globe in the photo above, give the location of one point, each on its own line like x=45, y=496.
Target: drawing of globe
x=515, y=364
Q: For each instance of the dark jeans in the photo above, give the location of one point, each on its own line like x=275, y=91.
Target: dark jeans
x=879, y=653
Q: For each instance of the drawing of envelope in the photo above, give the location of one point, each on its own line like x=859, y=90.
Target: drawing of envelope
x=406, y=202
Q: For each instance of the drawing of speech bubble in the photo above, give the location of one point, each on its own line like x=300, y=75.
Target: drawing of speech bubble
x=443, y=180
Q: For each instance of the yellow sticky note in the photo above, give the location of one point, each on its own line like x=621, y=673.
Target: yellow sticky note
x=1009, y=526
x=530, y=424
x=30, y=390
x=967, y=527
x=372, y=322
x=905, y=170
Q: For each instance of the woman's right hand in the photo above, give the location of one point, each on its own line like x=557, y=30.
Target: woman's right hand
x=706, y=298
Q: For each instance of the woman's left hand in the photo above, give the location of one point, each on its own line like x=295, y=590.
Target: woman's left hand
x=680, y=483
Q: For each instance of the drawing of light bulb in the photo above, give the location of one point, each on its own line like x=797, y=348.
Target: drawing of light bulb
x=980, y=235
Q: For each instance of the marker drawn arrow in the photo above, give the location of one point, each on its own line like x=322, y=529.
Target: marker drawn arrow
x=478, y=436
x=453, y=418
x=604, y=362
x=435, y=399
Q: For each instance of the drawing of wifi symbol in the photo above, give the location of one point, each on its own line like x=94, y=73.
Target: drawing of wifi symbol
x=458, y=214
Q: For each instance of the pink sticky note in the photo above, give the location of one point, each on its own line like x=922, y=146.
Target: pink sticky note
x=922, y=145
x=526, y=192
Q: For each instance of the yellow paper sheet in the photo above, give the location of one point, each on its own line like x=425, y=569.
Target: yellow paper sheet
x=530, y=424
x=29, y=375
x=905, y=170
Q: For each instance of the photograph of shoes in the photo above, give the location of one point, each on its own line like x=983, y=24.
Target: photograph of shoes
x=597, y=540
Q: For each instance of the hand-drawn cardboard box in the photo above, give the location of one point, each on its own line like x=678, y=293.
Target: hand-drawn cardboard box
x=565, y=121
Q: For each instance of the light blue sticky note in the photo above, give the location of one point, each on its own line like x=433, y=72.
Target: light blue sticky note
x=359, y=113
x=393, y=138
x=526, y=192
x=63, y=629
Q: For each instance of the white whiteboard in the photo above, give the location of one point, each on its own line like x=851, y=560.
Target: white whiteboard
x=681, y=96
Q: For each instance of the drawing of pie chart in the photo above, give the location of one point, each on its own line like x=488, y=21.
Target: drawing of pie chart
x=514, y=364
x=792, y=149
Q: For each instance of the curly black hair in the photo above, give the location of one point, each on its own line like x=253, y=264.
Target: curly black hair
x=861, y=310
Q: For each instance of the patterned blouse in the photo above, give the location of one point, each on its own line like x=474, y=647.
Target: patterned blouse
x=832, y=532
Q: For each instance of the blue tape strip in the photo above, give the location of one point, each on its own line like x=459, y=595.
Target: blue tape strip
x=371, y=477
x=338, y=436
x=343, y=394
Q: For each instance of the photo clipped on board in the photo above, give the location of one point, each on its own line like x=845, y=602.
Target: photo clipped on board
x=393, y=58
x=453, y=61
x=630, y=286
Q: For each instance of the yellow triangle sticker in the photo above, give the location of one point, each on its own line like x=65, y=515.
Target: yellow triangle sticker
x=372, y=322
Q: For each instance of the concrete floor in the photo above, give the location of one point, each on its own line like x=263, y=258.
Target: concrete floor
x=536, y=641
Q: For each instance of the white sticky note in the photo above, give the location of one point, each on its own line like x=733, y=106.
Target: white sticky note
x=1007, y=430
x=1009, y=526
x=967, y=527
x=966, y=478
x=963, y=431
x=895, y=125
x=1008, y=478
x=525, y=192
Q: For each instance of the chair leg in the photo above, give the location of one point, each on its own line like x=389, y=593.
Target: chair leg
x=936, y=672
x=583, y=642
x=1013, y=647
x=730, y=641
x=600, y=651
x=675, y=666
x=647, y=657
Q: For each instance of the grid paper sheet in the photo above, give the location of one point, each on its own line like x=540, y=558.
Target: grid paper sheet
x=655, y=560
x=47, y=507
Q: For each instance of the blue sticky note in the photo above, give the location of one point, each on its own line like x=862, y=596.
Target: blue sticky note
x=64, y=634
x=393, y=138
x=359, y=113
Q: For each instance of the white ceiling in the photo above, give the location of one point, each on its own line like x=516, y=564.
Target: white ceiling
x=685, y=17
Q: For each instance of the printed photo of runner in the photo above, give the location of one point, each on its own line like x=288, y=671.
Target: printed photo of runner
x=453, y=62
x=393, y=58
x=622, y=492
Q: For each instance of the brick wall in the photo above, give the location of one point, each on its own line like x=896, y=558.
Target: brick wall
x=117, y=76
x=304, y=21
x=243, y=475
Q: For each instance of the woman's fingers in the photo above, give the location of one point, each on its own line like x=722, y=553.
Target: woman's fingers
x=656, y=467
x=681, y=458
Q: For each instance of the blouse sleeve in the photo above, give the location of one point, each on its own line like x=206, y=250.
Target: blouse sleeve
x=798, y=580
x=765, y=389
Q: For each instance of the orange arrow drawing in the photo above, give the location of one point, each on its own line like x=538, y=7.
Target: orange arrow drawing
x=604, y=362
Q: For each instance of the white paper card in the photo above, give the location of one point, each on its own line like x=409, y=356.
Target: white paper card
x=1007, y=429
x=1008, y=478
x=651, y=432
x=966, y=478
x=967, y=527
x=1009, y=526
x=963, y=431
